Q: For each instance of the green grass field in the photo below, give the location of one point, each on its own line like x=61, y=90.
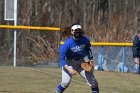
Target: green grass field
x=45, y=80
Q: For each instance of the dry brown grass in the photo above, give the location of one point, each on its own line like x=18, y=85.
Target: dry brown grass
x=45, y=80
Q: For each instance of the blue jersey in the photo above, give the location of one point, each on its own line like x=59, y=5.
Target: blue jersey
x=74, y=49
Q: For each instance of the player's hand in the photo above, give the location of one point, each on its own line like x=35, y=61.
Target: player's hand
x=136, y=60
x=88, y=66
x=72, y=71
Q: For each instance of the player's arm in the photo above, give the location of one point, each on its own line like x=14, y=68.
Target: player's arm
x=63, y=50
x=88, y=64
x=63, y=63
x=135, y=49
x=89, y=50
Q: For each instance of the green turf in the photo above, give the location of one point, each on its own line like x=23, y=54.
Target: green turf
x=45, y=80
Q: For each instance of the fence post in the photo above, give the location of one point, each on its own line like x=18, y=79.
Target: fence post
x=101, y=59
x=123, y=58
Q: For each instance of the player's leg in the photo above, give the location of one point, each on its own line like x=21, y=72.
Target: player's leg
x=66, y=78
x=91, y=81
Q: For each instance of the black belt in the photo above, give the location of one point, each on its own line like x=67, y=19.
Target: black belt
x=73, y=59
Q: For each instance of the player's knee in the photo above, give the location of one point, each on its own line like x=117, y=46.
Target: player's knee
x=65, y=84
x=93, y=84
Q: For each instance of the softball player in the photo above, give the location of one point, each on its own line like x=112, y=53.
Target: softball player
x=76, y=49
x=136, y=49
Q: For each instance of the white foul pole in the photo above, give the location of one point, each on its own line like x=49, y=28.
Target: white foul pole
x=15, y=32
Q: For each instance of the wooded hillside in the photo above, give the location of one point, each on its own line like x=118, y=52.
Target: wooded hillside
x=102, y=21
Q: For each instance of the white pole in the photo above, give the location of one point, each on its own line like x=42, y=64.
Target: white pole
x=15, y=33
